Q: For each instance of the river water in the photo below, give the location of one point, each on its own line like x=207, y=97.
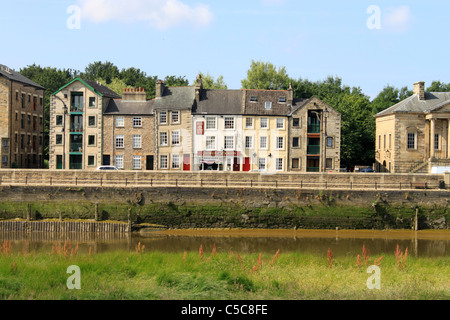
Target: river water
x=426, y=243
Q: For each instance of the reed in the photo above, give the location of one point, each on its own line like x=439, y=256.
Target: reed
x=400, y=257
x=330, y=258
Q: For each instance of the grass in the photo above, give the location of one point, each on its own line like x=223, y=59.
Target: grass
x=209, y=274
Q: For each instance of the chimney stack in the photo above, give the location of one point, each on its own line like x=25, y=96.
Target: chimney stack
x=198, y=87
x=159, y=89
x=130, y=94
x=419, y=89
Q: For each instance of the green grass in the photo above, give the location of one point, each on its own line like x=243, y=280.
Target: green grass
x=157, y=275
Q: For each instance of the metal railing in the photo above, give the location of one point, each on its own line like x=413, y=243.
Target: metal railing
x=118, y=181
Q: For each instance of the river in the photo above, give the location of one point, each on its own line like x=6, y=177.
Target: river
x=425, y=243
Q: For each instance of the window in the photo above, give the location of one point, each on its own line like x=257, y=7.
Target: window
x=248, y=142
x=253, y=99
x=34, y=103
x=280, y=123
x=137, y=141
x=137, y=121
x=384, y=142
x=210, y=123
x=136, y=162
x=23, y=100
x=296, y=122
x=279, y=164
x=436, y=142
x=268, y=105
x=210, y=143
x=40, y=101
x=262, y=163
x=91, y=140
x=17, y=96
x=175, y=138
x=59, y=120
x=119, y=161
x=119, y=141
x=229, y=123
x=295, y=142
x=175, y=117
x=329, y=142
x=163, y=139
x=280, y=142
x=91, y=160
x=5, y=143
x=22, y=141
x=40, y=120
x=282, y=100
x=263, y=142
x=329, y=163
x=263, y=124
x=163, y=117
x=175, y=161
x=229, y=143
x=91, y=120
x=163, y=162
x=295, y=163
x=91, y=102
x=120, y=122
x=379, y=142
x=23, y=121
x=390, y=141
x=249, y=123
x=411, y=143
x=59, y=139
x=17, y=116
x=5, y=160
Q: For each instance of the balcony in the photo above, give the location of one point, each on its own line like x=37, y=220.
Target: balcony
x=313, y=150
x=313, y=128
x=76, y=147
x=312, y=169
x=75, y=127
x=76, y=109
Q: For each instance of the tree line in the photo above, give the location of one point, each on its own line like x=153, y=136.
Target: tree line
x=356, y=108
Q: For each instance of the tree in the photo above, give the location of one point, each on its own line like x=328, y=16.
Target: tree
x=210, y=83
x=117, y=85
x=388, y=97
x=438, y=86
x=104, y=70
x=173, y=81
x=264, y=75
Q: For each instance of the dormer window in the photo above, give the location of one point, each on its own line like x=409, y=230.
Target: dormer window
x=253, y=99
x=268, y=105
x=282, y=100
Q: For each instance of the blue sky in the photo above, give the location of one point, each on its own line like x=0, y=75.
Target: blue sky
x=312, y=39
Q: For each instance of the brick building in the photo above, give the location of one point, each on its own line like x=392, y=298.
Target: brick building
x=21, y=120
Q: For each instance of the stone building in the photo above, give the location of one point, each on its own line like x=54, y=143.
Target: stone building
x=76, y=124
x=413, y=135
x=314, y=137
x=21, y=120
x=173, y=127
x=129, y=131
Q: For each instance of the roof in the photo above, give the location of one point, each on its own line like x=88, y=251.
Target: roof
x=220, y=102
x=98, y=88
x=176, y=98
x=412, y=104
x=121, y=107
x=12, y=75
x=258, y=107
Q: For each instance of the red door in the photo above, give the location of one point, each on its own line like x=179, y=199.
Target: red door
x=246, y=166
x=187, y=162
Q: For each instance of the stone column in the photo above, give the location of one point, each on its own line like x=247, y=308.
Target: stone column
x=432, y=138
x=447, y=149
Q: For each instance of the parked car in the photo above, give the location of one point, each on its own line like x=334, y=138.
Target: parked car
x=367, y=170
x=107, y=168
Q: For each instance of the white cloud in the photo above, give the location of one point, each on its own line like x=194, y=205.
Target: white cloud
x=398, y=19
x=162, y=14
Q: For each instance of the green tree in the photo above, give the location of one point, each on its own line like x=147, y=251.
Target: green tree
x=117, y=85
x=174, y=81
x=210, y=83
x=438, y=86
x=388, y=97
x=264, y=75
x=104, y=70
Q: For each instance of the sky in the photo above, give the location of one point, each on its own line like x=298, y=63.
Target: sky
x=368, y=44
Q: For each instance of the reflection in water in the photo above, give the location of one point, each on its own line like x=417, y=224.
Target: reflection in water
x=424, y=244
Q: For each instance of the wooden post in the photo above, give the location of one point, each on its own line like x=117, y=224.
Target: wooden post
x=96, y=212
x=416, y=220
x=129, y=219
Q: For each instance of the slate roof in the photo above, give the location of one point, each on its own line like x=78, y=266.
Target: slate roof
x=412, y=104
x=120, y=107
x=258, y=107
x=219, y=102
x=104, y=90
x=176, y=98
x=10, y=74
